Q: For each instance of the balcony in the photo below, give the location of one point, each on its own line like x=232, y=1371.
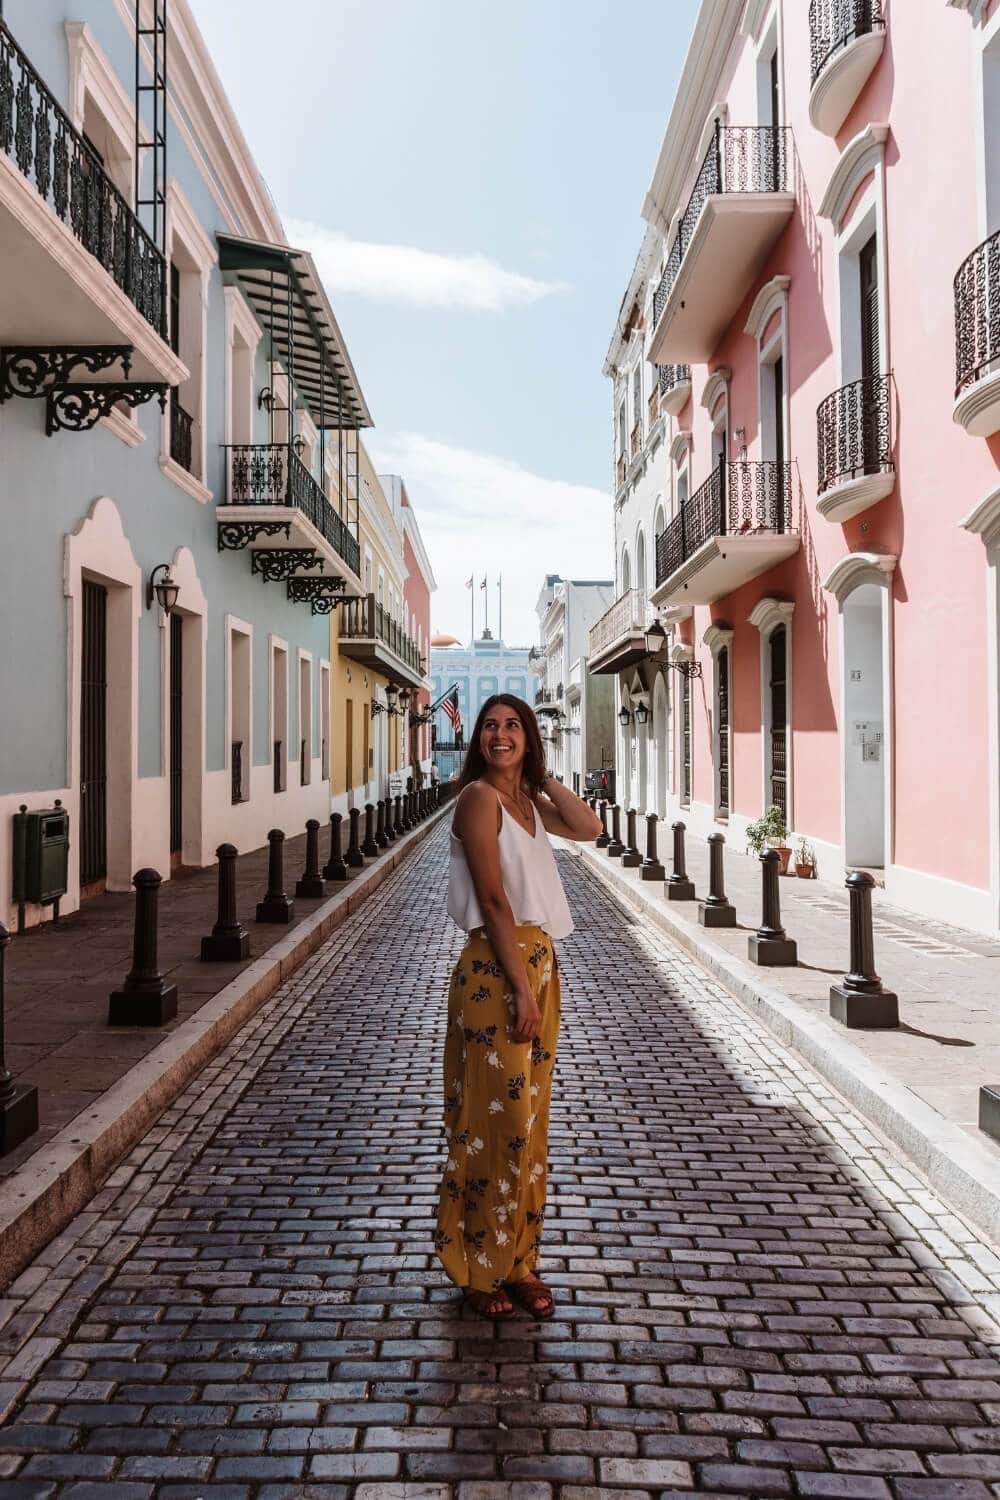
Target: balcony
x=846, y=39
x=181, y=434
x=674, y=383
x=549, y=700
x=855, y=449
x=370, y=635
x=271, y=493
x=735, y=527
x=977, y=340
x=618, y=640
x=79, y=269
x=738, y=208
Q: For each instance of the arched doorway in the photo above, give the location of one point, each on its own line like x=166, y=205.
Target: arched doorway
x=661, y=745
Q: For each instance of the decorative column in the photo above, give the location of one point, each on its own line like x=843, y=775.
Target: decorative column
x=355, y=858
x=276, y=906
x=769, y=946
x=603, y=838
x=145, y=999
x=335, y=868
x=651, y=867
x=679, y=887
x=860, y=1001
x=716, y=910
x=311, y=883
x=380, y=834
x=631, y=859
x=616, y=848
x=229, y=941
x=369, y=848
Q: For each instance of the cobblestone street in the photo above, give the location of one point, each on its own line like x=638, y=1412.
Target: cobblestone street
x=756, y=1297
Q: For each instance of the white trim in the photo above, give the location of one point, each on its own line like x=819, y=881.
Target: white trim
x=124, y=427
x=178, y=475
x=754, y=14
x=767, y=615
x=184, y=228
x=716, y=385
x=191, y=604
x=302, y=655
x=91, y=73
x=680, y=447
x=772, y=296
x=864, y=154
x=275, y=643
x=240, y=324
x=233, y=625
x=857, y=568
x=984, y=521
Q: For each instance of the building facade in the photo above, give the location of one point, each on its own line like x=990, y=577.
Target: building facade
x=178, y=399
x=832, y=518
x=574, y=714
x=417, y=592
x=475, y=672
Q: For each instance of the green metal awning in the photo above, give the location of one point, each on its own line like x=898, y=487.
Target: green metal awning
x=283, y=288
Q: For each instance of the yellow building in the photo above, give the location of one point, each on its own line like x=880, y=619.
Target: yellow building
x=375, y=667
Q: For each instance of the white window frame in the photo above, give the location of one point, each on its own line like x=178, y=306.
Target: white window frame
x=766, y=616
x=304, y=664
x=243, y=333
x=324, y=719
x=275, y=689
x=184, y=234
x=854, y=224
x=717, y=638
x=235, y=626
x=771, y=299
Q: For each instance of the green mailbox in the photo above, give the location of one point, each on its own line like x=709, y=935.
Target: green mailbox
x=41, y=854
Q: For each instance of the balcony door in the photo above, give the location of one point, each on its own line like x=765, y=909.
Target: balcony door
x=777, y=767
x=93, y=741
x=176, y=738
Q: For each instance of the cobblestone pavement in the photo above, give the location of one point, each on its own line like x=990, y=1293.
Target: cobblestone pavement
x=756, y=1296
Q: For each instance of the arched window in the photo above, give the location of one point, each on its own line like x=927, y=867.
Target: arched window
x=640, y=562
x=626, y=572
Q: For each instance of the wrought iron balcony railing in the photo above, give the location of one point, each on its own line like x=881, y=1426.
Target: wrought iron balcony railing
x=36, y=133
x=833, y=24
x=367, y=620
x=853, y=432
x=237, y=771
x=977, y=314
x=671, y=376
x=628, y=613
x=740, y=159
x=738, y=499
x=273, y=474
x=181, y=433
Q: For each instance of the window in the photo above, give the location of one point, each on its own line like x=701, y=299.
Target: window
x=640, y=562
x=622, y=430
x=191, y=254
x=368, y=572
x=239, y=708
x=685, y=734
x=324, y=721
x=626, y=572
x=773, y=618
x=305, y=719
x=279, y=715
x=349, y=746
x=637, y=397
x=722, y=731
x=242, y=338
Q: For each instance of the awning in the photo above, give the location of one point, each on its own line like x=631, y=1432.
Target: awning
x=287, y=297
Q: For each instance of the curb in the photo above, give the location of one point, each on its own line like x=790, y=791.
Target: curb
x=962, y=1171
x=53, y=1185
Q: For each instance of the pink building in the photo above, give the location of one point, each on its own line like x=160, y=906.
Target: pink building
x=825, y=472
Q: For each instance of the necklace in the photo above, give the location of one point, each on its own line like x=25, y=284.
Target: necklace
x=522, y=813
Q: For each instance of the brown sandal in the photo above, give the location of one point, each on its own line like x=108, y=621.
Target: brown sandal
x=482, y=1302
x=533, y=1295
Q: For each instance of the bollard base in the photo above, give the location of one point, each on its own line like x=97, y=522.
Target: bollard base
x=137, y=1007
x=311, y=887
x=631, y=861
x=602, y=841
x=861, y=1012
x=772, y=953
x=226, y=947
x=335, y=872
x=278, y=909
x=679, y=890
x=652, y=870
x=370, y=851
x=989, y=1110
x=615, y=851
x=356, y=860
x=723, y=915
x=18, y=1118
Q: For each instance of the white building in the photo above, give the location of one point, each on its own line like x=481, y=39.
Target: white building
x=574, y=709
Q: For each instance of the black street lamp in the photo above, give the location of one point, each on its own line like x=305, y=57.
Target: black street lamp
x=624, y=717
x=164, y=590
x=656, y=638
x=641, y=713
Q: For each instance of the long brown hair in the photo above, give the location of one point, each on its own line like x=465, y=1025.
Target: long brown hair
x=533, y=769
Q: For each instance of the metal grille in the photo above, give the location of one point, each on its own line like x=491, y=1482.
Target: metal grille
x=671, y=376
x=977, y=313
x=273, y=474
x=740, y=159
x=778, y=767
x=236, y=758
x=722, y=736
x=366, y=619
x=686, y=741
x=278, y=774
x=93, y=736
x=176, y=731
x=37, y=136
x=302, y=762
x=779, y=774
x=181, y=434
x=738, y=499
x=835, y=23
x=853, y=432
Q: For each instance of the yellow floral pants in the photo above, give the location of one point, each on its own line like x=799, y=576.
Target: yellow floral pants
x=491, y=1202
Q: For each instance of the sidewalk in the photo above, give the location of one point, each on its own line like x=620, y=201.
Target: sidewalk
x=99, y=1087
x=920, y=1083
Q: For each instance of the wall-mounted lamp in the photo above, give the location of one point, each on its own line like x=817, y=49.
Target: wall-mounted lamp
x=164, y=590
x=641, y=713
x=298, y=444
x=265, y=399
x=391, y=694
x=624, y=717
x=404, y=700
x=656, y=638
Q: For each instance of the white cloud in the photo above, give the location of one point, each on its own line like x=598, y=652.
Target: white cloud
x=422, y=278
x=483, y=514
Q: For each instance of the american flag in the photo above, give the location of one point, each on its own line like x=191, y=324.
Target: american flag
x=451, y=708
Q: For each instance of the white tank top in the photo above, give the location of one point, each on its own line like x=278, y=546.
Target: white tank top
x=530, y=880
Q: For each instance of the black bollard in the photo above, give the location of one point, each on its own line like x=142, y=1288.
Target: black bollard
x=276, y=906
x=860, y=1000
x=355, y=858
x=397, y=821
x=651, y=867
x=145, y=999
x=380, y=834
x=616, y=848
x=631, y=859
x=390, y=831
x=603, y=838
x=335, y=868
x=408, y=818
x=716, y=910
x=229, y=941
x=18, y=1103
x=679, y=887
x=311, y=883
x=369, y=848
x=770, y=946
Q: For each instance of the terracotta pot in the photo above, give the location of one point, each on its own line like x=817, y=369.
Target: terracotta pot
x=804, y=872
x=786, y=853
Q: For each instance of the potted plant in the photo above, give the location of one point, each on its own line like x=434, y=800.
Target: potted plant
x=805, y=860
x=770, y=830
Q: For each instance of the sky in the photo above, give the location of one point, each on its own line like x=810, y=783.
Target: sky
x=469, y=178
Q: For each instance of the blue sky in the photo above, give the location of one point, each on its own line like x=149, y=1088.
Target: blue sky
x=469, y=178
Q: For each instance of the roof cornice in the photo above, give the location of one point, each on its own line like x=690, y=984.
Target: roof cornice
x=636, y=288
x=715, y=29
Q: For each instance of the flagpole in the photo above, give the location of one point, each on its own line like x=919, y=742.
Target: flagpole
x=487, y=601
x=472, y=601
x=500, y=606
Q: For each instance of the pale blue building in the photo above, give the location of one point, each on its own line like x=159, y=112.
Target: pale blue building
x=487, y=666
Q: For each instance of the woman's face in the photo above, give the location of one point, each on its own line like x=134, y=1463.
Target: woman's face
x=502, y=739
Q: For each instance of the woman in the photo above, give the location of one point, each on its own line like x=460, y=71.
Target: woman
x=503, y=1009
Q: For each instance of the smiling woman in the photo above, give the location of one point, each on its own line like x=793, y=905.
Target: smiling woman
x=503, y=1009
